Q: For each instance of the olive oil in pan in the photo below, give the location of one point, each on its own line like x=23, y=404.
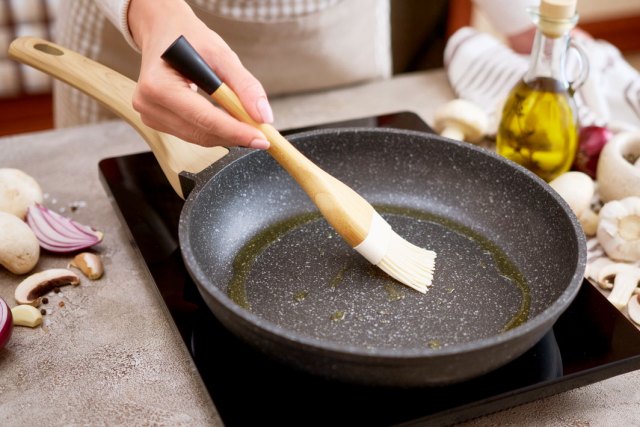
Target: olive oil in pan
x=252, y=250
x=504, y=265
x=337, y=316
x=300, y=296
x=249, y=253
x=337, y=279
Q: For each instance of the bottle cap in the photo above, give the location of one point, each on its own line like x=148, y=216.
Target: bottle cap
x=558, y=9
x=555, y=17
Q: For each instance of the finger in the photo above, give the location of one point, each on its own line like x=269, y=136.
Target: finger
x=209, y=120
x=192, y=117
x=250, y=91
x=166, y=121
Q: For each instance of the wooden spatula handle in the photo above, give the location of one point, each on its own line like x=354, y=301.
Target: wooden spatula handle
x=114, y=91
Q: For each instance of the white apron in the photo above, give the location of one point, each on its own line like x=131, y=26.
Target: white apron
x=345, y=43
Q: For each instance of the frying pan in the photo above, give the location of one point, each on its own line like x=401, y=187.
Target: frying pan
x=511, y=255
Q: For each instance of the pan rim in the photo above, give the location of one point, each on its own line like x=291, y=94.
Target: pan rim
x=375, y=354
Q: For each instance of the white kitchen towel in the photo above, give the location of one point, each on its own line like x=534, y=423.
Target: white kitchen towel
x=481, y=69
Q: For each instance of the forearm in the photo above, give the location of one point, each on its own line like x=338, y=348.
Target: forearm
x=116, y=12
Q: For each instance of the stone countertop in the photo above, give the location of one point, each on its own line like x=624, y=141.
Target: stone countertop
x=112, y=354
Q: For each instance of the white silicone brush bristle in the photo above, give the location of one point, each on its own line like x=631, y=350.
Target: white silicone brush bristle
x=408, y=263
x=400, y=259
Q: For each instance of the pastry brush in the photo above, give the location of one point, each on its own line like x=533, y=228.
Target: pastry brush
x=348, y=213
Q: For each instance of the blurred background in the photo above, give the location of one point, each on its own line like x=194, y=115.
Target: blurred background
x=419, y=33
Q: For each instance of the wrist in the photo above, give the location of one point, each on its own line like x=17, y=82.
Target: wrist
x=145, y=17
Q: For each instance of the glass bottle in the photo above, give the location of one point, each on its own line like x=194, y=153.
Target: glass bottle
x=539, y=124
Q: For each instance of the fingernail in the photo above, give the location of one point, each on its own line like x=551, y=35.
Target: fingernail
x=265, y=110
x=259, y=144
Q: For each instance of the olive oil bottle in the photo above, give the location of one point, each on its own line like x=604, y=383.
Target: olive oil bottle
x=539, y=124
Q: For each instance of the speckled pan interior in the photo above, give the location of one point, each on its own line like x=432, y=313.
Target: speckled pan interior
x=508, y=250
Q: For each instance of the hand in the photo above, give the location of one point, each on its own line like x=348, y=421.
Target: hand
x=167, y=102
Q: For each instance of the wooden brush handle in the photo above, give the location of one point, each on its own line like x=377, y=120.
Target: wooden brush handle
x=114, y=91
x=343, y=208
x=303, y=170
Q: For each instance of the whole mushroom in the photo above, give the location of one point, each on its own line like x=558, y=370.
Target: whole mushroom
x=19, y=247
x=461, y=120
x=577, y=189
x=18, y=191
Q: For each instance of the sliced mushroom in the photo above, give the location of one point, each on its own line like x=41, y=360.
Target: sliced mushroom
x=626, y=278
x=619, y=229
x=31, y=289
x=461, y=120
x=633, y=308
x=593, y=271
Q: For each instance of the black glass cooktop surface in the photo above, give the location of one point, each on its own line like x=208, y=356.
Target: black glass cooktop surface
x=590, y=342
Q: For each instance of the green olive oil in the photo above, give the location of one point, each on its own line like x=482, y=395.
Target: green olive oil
x=539, y=124
x=539, y=129
x=395, y=291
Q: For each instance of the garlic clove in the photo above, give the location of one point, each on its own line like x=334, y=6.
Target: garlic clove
x=617, y=177
x=89, y=264
x=619, y=229
x=26, y=315
x=33, y=287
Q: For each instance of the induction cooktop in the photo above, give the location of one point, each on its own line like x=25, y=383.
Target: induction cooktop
x=591, y=341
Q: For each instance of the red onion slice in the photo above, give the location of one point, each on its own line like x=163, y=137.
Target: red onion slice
x=6, y=323
x=57, y=233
